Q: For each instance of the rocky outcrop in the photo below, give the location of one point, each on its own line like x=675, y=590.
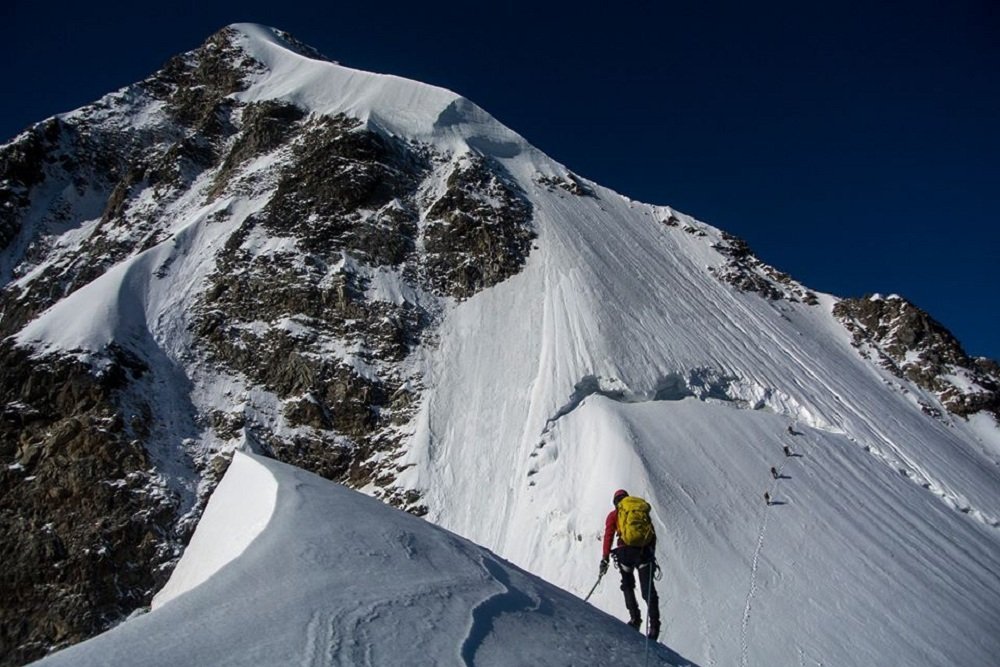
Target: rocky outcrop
x=85, y=526
x=747, y=273
x=265, y=126
x=195, y=86
x=350, y=208
x=571, y=183
x=22, y=166
x=346, y=187
x=478, y=232
x=908, y=342
x=344, y=205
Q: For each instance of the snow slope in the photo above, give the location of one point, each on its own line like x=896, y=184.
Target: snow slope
x=336, y=578
x=617, y=359
x=887, y=546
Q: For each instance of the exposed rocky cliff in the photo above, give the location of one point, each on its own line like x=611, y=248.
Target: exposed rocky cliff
x=891, y=332
x=86, y=525
x=911, y=344
x=747, y=273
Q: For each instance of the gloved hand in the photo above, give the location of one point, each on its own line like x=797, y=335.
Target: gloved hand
x=604, y=566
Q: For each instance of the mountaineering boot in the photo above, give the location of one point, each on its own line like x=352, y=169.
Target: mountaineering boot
x=654, y=629
x=636, y=623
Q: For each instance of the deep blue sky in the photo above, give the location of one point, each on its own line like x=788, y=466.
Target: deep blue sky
x=855, y=145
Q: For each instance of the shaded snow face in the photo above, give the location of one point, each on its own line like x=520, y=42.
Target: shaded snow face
x=242, y=507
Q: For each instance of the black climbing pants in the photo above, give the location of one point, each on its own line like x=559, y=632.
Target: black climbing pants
x=634, y=561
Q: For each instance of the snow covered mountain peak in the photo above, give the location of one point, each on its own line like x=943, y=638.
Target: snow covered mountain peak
x=255, y=249
x=389, y=104
x=253, y=35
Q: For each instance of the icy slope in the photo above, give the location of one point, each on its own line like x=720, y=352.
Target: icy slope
x=853, y=565
x=335, y=578
x=897, y=513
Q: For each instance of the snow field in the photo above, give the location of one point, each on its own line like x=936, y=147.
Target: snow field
x=613, y=303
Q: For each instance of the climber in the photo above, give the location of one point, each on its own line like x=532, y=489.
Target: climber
x=635, y=553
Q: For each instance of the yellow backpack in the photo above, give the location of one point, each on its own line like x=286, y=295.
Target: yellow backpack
x=635, y=528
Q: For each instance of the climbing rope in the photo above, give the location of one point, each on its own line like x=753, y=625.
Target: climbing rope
x=649, y=587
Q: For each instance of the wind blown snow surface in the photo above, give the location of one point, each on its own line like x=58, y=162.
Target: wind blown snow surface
x=629, y=365
x=616, y=358
x=337, y=578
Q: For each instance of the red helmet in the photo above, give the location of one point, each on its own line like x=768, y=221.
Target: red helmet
x=619, y=494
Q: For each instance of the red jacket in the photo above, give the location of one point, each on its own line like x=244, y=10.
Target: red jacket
x=610, y=530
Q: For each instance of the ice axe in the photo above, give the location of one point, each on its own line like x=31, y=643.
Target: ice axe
x=594, y=587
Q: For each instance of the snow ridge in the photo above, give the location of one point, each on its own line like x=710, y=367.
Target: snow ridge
x=219, y=539
x=390, y=104
x=359, y=583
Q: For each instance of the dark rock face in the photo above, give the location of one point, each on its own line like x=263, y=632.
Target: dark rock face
x=348, y=208
x=478, y=233
x=22, y=164
x=85, y=527
x=348, y=189
x=344, y=205
x=571, y=183
x=747, y=273
x=911, y=344
x=265, y=126
x=195, y=84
